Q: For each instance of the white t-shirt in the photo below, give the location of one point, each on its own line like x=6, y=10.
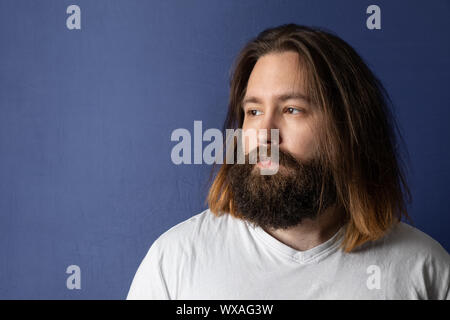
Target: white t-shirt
x=209, y=257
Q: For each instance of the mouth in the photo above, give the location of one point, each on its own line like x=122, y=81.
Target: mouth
x=268, y=165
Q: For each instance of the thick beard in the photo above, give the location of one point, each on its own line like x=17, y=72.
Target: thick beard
x=284, y=199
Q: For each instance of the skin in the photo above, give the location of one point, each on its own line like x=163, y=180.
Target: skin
x=276, y=75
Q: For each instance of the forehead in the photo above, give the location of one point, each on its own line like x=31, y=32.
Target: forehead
x=275, y=74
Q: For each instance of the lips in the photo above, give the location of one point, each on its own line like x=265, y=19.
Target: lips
x=267, y=163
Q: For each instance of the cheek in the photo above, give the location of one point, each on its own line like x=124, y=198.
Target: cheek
x=301, y=143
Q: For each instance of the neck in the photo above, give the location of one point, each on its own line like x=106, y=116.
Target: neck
x=311, y=232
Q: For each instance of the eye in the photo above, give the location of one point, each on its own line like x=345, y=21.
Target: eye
x=253, y=112
x=292, y=110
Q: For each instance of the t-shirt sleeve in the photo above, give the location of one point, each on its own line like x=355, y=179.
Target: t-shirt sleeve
x=436, y=273
x=419, y=267
x=445, y=267
x=148, y=282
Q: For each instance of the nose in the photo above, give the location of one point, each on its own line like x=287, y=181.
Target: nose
x=267, y=131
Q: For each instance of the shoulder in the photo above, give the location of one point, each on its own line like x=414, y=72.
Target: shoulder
x=405, y=244
x=418, y=265
x=199, y=230
x=406, y=240
x=174, y=253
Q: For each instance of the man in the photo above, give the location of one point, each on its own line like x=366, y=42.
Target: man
x=327, y=224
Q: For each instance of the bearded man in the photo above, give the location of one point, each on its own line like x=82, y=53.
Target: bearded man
x=328, y=224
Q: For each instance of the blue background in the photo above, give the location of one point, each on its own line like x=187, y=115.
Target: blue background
x=86, y=116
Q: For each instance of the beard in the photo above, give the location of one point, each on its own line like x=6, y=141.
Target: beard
x=284, y=199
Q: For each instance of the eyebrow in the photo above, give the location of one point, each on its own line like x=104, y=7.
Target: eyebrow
x=281, y=97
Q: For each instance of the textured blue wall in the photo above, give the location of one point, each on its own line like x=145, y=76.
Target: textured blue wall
x=86, y=117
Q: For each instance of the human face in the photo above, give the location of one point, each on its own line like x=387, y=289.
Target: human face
x=275, y=98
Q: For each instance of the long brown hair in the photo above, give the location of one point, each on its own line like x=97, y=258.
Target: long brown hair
x=360, y=139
